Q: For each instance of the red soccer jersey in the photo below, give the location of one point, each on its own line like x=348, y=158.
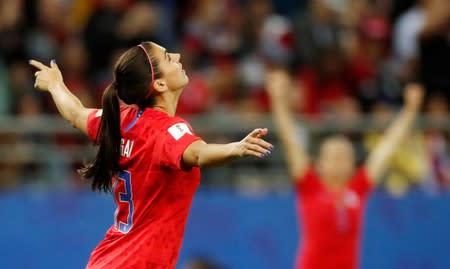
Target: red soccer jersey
x=153, y=193
x=331, y=224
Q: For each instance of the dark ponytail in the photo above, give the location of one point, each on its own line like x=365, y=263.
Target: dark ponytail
x=106, y=163
x=134, y=74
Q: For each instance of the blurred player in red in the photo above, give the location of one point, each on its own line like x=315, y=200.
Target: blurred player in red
x=332, y=193
x=147, y=157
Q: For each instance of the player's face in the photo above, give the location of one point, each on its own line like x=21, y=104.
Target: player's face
x=336, y=160
x=170, y=67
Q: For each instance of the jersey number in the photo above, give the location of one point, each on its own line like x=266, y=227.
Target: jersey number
x=123, y=224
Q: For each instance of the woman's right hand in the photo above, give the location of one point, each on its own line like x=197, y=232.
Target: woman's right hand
x=47, y=77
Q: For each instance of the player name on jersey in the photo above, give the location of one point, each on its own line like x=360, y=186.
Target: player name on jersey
x=126, y=147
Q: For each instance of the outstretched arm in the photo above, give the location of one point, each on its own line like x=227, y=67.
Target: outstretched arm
x=202, y=154
x=277, y=85
x=377, y=162
x=49, y=78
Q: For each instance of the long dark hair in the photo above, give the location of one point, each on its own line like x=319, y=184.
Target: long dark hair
x=133, y=79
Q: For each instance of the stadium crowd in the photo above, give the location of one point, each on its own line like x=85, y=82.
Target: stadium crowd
x=348, y=58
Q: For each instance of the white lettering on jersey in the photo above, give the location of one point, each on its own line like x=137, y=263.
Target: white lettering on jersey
x=99, y=113
x=178, y=130
x=126, y=147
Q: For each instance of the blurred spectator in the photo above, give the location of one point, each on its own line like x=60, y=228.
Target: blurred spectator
x=210, y=31
x=370, y=70
x=139, y=22
x=73, y=63
x=346, y=57
x=435, y=47
x=223, y=83
x=5, y=94
x=24, y=102
x=406, y=41
x=100, y=33
x=197, y=96
x=20, y=84
x=421, y=44
x=50, y=31
x=347, y=112
x=20, y=148
x=437, y=145
x=12, y=31
x=276, y=40
x=256, y=13
x=323, y=35
x=398, y=7
x=29, y=105
x=80, y=11
x=274, y=48
x=323, y=85
x=317, y=30
x=350, y=12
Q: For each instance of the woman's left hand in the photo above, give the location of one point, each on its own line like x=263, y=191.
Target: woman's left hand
x=253, y=145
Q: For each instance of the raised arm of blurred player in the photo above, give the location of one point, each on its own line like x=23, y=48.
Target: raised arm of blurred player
x=377, y=161
x=49, y=79
x=278, y=83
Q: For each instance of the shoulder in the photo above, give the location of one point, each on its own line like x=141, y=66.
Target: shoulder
x=176, y=119
x=178, y=127
x=307, y=181
x=361, y=181
x=361, y=173
x=173, y=126
x=310, y=172
x=166, y=121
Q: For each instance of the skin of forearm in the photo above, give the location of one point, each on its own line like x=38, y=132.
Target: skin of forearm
x=215, y=154
x=390, y=142
x=68, y=105
x=296, y=155
x=284, y=123
x=400, y=127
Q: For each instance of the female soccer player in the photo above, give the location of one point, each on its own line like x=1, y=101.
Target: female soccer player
x=147, y=157
x=332, y=194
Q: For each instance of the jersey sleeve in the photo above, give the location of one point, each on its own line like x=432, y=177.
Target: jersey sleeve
x=308, y=182
x=177, y=137
x=93, y=124
x=360, y=183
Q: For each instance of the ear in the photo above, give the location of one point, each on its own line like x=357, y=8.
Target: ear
x=160, y=85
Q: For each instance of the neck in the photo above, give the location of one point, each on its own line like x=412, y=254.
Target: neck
x=169, y=110
x=334, y=184
x=167, y=102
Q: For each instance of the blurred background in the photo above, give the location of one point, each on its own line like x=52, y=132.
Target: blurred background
x=349, y=60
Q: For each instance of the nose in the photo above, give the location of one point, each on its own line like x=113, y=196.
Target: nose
x=176, y=56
